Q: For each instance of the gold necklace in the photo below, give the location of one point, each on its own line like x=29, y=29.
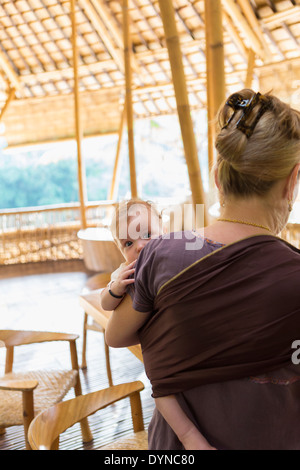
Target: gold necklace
x=234, y=221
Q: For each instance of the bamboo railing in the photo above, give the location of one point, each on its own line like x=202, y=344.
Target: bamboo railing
x=48, y=232
x=291, y=234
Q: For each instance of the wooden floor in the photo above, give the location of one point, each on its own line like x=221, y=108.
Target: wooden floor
x=44, y=296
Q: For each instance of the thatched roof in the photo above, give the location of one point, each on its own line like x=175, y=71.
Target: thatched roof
x=36, y=60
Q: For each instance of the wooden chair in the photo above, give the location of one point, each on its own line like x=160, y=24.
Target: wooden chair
x=46, y=428
x=95, y=282
x=23, y=395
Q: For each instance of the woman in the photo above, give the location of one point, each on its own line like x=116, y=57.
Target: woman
x=217, y=325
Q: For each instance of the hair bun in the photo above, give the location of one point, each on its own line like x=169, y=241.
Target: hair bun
x=258, y=144
x=230, y=144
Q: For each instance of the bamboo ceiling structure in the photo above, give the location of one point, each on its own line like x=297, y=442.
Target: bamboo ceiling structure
x=261, y=38
x=88, y=58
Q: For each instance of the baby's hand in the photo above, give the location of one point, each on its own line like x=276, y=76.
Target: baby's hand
x=118, y=287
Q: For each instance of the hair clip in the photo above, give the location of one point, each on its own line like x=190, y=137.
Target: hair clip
x=237, y=103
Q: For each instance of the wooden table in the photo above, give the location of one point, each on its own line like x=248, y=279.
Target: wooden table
x=91, y=305
x=100, y=252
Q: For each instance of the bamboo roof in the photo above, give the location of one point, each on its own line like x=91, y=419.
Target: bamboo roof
x=36, y=60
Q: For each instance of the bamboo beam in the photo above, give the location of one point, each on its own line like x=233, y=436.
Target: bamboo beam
x=255, y=25
x=11, y=75
x=183, y=107
x=11, y=96
x=107, y=19
x=80, y=163
x=166, y=85
x=234, y=35
x=128, y=99
x=157, y=55
x=215, y=63
x=234, y=11
x=116, y=171
x=115, y=53
x=162, y=85
x=250, y=70
x=276, y=18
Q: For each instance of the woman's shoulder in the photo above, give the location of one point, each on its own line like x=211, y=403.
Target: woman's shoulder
x=184, y=237
x=292, y=249
x=178, y=248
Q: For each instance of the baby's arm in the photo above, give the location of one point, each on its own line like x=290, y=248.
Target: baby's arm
x=117, y=288
x=185, y=430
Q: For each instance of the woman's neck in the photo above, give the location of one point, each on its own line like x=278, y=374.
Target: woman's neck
x=250, y=211
x=245, y=218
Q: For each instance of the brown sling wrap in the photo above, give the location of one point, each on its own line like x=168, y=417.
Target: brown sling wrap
x=232, y=314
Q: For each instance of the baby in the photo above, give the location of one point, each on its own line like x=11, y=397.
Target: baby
x=134, y=224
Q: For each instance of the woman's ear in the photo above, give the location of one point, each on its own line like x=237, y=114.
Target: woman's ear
x=217, y=182
x=217, y=179
x=292, y=183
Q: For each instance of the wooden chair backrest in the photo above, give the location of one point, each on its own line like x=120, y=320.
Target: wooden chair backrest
x=45, y=429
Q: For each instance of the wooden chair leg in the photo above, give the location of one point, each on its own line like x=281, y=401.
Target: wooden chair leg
x=136, y=412
x=84, y=347
x=107, y=360
x=84, y=336
x=9, y=359
x=28, y=413
x=85, y=427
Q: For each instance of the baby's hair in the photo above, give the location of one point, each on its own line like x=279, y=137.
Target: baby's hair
x=122, y=210
x=249, y=165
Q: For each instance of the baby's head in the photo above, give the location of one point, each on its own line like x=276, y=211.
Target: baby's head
x=134, y=224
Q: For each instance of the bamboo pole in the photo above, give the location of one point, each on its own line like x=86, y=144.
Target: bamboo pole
x=182, y=100
x=80, y=163
x=214, y=67
x=129, y=107
x=116, y=171
x=250, y=70
x=210, y=105
x=215, y=51
x=12, y=94
x=211, y=128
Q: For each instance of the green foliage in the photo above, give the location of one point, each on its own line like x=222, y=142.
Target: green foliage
x=25, y=186
x=48, y=175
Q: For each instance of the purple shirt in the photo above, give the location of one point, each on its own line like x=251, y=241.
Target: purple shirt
x=162, y=259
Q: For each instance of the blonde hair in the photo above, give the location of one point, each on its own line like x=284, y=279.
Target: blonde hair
x=122, y=210
x=251, y=165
